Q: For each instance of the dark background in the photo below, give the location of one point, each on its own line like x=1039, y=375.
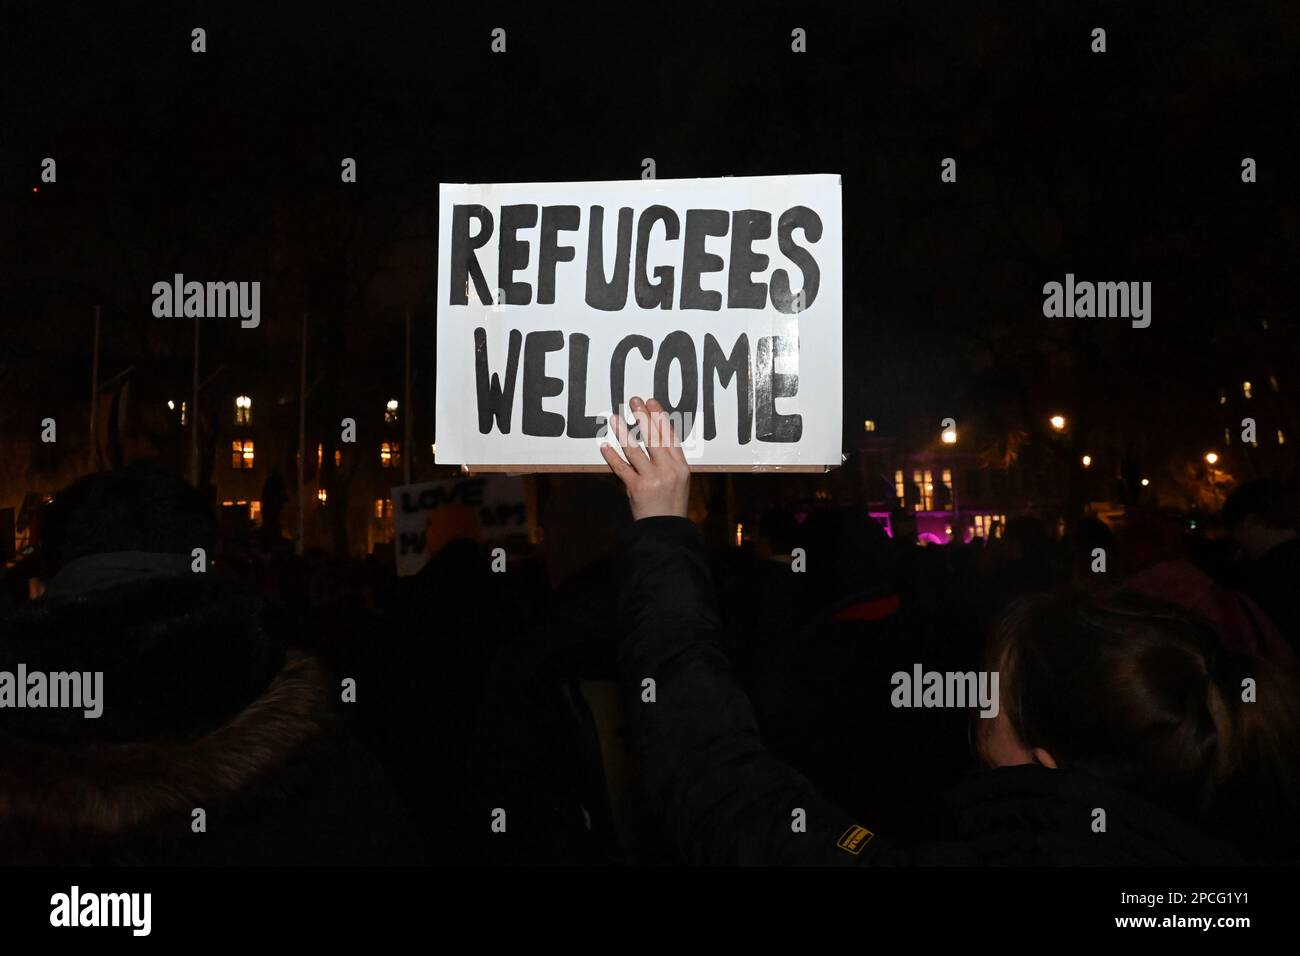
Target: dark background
x=1122, y=166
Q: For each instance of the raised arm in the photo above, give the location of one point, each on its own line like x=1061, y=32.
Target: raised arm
x=725, y=798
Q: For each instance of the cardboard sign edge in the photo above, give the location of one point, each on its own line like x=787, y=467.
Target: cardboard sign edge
x=604, y=469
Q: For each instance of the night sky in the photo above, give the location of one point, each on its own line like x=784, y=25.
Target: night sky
x=1122, y=166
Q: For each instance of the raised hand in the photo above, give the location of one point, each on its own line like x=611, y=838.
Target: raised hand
x=657, y=478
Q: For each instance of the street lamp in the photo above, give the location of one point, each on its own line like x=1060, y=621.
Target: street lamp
x=1211, y=458
x=949, y=436
x=1058, y=422
x=1087, y=461
x=1145, y=482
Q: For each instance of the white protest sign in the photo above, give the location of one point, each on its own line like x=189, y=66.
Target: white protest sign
x=558, y=302
x=497, y=503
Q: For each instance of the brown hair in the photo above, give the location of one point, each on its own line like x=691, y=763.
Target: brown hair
x=1142, y=694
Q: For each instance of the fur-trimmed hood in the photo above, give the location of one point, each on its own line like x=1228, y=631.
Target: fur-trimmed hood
x=102, y=789
x=179, y=656
x=202, y=709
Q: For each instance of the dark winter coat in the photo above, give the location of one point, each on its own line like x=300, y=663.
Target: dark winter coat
x=726, y=799
x=202, y=710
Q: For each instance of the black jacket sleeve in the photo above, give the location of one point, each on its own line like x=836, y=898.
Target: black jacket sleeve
x=723, y=796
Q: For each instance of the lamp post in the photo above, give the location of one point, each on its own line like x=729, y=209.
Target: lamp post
x=1212, y=459
x=949, y=437
x=302, y=438
x=407, y=450
x=92, y=456
x=194, y=412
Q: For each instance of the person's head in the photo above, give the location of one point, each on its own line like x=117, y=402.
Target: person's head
x=139, y=509
x=1149, y=537
x=1260, y=515
x=581, y=517
x=1141, y=694
x=1084, y=538
x=853, y=549
x=454, y=521
x=778, y=531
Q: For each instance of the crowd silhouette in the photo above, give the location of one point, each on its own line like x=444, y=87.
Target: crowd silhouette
x=630, y=696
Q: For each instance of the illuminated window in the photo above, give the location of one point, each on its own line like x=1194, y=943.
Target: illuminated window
x=1245, y=389
x=947, y=481
x=390, y=411
x=183, y=410
x=383, y=508
x=338, y=458
x=1281, y=439
x=1223, y=396
x=390, y=455
x=251, y=509
x=241, y=454
x=924, y=482
x=320, y=454
x=243, y=410
x=899, y=491
x=322, y=495
x=869, y=425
